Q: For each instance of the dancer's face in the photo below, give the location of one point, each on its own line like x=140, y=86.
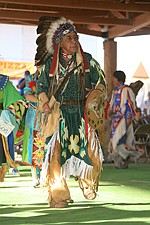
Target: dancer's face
x=69, y=43
x=116, y=82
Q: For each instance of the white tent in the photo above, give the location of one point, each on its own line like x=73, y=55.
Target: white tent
x=141, y=74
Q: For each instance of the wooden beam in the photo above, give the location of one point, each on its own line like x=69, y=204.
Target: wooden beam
x=145, y=31
x=94, y=27
x=118, y=14
x=85, y=30
x=33, y=16
x=46, y=9
x=139, y=22
x=80, y=4
x=18, y=22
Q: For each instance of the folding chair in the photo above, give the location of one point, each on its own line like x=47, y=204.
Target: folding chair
x=142, y=138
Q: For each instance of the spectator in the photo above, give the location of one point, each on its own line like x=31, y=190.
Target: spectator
x=139, y=118
x=32, y=151
x=147, y=105
x=21, y=83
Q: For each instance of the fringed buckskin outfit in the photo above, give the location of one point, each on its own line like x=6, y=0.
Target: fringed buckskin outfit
x=73, y=148
x=12, y=107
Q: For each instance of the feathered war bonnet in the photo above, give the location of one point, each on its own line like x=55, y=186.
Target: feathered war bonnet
x=51, y=31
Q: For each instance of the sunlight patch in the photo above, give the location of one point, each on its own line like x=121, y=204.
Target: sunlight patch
x=23, y=214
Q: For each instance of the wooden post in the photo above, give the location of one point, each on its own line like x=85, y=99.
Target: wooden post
x=110, y=62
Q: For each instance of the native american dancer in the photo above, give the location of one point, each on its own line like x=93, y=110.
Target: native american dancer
x=122, y=112
x=33, y=144
x=12, y=108
x=72, y=146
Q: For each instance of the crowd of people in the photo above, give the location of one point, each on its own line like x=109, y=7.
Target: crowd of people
x=59, y=140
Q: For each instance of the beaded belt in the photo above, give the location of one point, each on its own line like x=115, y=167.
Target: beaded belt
x=81, y=102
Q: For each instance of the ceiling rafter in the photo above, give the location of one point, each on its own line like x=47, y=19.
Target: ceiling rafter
x=80, y=4
x=139, y=22
x=104, y=18
x=26, y=16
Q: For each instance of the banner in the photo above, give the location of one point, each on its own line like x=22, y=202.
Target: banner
x=15, y=70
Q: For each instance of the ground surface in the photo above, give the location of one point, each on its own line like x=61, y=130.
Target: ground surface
x=123, y=199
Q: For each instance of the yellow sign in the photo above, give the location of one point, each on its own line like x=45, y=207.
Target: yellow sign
x=15, y=70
